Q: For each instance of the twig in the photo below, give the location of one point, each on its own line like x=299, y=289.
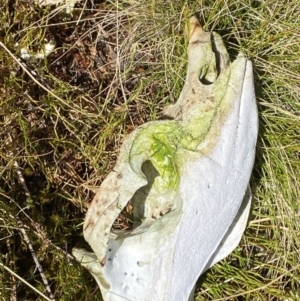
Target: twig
x=37, y=263
x=22, y=229
x=19, y=173
x=21, y=179
x=25, y=282
x=13, y=295
x=39, y=231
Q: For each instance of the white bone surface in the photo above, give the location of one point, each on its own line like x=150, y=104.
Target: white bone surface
x=187, y=179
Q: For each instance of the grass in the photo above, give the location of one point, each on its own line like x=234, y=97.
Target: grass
x=117, y=64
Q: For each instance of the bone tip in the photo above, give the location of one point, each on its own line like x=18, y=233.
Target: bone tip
x=194, y=25
x=194, y=22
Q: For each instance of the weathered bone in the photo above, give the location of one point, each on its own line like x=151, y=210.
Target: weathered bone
x=187, y=180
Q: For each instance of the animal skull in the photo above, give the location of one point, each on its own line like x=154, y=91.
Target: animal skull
x=187, y=179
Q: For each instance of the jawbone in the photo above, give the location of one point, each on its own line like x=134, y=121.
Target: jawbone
x=187, y=180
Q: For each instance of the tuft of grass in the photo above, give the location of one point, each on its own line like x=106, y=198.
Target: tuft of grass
x=116, y=65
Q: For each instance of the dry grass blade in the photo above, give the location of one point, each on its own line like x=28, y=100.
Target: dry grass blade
x=24, y=281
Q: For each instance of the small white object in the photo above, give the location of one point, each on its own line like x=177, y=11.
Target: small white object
x=187, y=180
x=47, y=49
x=67, y=4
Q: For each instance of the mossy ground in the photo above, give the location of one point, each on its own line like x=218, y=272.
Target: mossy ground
x=116, y=65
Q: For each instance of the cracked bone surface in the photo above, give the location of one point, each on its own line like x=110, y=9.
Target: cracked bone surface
x=187, y=180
